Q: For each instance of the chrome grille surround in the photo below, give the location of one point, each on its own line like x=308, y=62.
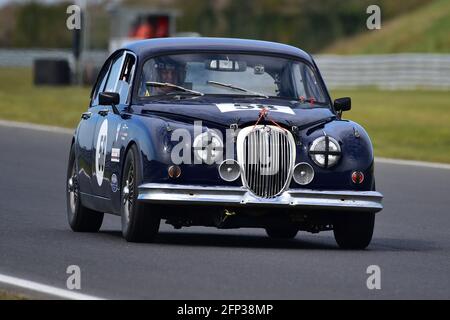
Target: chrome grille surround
x=267, y=157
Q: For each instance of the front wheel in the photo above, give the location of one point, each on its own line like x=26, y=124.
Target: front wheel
x=140, y=221
x=81, y=219
x=354, y=230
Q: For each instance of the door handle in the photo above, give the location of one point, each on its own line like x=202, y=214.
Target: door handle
x=86, y=115
x=103, y=112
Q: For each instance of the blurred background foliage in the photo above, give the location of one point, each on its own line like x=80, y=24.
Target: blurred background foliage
x=312, y=25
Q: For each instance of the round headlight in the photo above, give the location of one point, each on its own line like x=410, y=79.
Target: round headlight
x=303, y=173
x=229, y=170
x=208, y=147
x=325, y=151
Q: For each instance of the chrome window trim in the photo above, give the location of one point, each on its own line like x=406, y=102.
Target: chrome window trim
x=130, y=90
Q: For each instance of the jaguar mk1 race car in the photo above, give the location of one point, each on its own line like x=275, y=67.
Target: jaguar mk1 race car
x=220, y=132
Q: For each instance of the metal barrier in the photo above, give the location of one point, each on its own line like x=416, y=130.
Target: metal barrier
x=25, y=57
x=388, y=71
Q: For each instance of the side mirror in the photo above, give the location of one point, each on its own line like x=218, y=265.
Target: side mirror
x=342, y=104
x=108, y=98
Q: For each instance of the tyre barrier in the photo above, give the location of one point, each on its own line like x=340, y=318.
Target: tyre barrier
x=51, y=72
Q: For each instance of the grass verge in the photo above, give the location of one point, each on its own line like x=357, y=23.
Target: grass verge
x=424, y=30
x=9, y=296
x=20, y=100
x=404, y=124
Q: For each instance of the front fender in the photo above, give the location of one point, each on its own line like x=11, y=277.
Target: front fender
x=357, y=154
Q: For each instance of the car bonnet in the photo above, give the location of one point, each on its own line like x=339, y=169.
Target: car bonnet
x=242, y=113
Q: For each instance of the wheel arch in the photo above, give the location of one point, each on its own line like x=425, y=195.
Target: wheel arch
x=130, y=144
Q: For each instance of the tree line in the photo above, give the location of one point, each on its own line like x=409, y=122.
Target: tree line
x=311, y=25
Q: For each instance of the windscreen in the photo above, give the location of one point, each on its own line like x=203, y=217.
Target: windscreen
x=231, y=74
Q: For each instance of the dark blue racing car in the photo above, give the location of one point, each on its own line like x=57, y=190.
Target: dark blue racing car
x=226, y=133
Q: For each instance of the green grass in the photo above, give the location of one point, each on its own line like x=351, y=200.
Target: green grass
x=20, y=100
x=426, y=29
x=9, y=296
x=402, y=124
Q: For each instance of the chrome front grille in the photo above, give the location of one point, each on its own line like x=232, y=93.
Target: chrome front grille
x=267, y=158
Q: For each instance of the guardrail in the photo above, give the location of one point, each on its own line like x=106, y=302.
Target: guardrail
x=25, y=57
x=389, y=71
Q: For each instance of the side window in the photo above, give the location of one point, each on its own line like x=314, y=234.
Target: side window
x=312, y=87
x=299, y=81
x=100, y=84
x=120, y=76
x=126, y=78
x=114, y=74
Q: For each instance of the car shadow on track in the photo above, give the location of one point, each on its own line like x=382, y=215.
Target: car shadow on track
x=303, y=241
x=234, y=240
x=243, y=241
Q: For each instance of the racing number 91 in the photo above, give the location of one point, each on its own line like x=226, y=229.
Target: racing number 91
x=243, y=309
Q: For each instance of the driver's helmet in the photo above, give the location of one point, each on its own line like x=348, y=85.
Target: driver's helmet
x=171, y=72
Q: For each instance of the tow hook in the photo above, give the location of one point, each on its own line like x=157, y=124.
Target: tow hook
x=227, y=214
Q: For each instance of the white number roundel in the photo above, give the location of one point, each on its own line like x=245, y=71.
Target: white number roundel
x=100, y=152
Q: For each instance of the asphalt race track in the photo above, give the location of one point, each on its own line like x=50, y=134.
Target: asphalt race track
x=411, y=243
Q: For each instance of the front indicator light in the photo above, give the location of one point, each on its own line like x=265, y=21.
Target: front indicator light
x=357, y=177
x=174, y=171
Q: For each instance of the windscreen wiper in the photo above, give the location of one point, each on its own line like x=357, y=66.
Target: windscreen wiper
x=226, y=85
x=171, y=85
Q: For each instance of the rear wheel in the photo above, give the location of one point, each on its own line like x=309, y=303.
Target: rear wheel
x=286, y=232
x=81, y=219
x=140, y=221
x=354, y=230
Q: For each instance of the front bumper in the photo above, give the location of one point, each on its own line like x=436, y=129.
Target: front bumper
x=367, y=201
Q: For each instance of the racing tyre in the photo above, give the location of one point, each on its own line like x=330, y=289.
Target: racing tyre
x=140, y=221
x=354, y=231
x=81, y=219
x=282, y=232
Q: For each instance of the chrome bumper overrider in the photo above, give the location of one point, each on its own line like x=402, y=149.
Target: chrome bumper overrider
x=369, y=201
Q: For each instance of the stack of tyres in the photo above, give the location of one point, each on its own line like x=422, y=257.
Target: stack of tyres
x=51, y=72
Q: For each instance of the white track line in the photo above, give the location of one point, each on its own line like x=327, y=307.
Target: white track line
x=32, y=126
x=413, y=163
x=42, y=288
